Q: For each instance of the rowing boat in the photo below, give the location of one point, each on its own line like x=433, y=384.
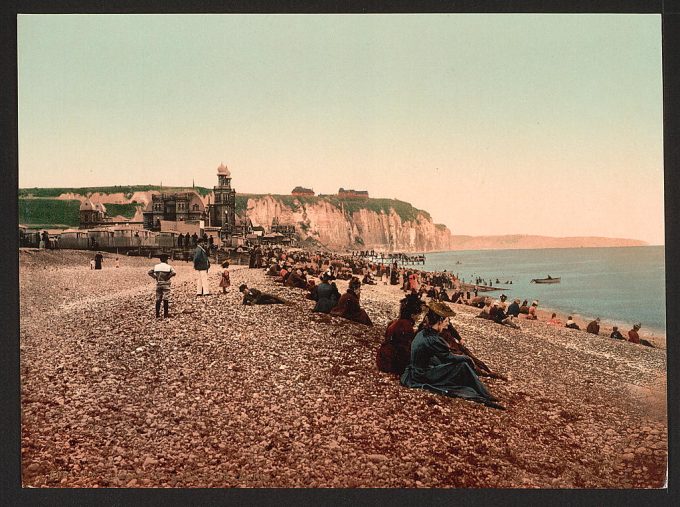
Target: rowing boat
x=545, y=280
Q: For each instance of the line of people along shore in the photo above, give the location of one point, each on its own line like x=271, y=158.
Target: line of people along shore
x=432, y=355
x=294, y=269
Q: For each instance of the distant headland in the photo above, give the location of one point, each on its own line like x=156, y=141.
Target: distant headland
x=529, y=241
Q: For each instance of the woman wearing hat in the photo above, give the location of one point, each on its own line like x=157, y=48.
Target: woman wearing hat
x=348, y=307
x=433, y=366
x=394, y=354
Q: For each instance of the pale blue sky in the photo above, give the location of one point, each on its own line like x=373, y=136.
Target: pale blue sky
x=495, y=124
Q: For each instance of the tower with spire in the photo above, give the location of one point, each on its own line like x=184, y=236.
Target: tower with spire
x=223, y=209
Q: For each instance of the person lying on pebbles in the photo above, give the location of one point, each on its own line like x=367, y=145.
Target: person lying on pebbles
x=256, y=297
x=435, y=367
x=499, y=316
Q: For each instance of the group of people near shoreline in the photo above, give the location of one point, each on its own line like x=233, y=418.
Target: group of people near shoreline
x=430, y=356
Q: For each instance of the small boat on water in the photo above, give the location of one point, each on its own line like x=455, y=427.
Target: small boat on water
x=550, y=279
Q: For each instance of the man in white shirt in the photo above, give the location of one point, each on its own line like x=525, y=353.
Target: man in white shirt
x=162, y=273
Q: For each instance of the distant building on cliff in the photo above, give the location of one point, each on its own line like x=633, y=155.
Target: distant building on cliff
x=352, y=194
x=91, y=214
x=302, y=191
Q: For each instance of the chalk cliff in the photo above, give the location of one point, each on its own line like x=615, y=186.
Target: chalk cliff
x=352, y=226
x=379, y=224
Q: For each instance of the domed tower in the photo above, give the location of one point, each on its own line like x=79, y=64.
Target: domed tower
x=222, y=211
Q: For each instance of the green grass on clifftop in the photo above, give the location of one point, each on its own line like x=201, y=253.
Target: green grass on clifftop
x=126, y=190
x=125, y=210
x=49, y=211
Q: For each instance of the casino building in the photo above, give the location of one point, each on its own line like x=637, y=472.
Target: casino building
x=189, y=207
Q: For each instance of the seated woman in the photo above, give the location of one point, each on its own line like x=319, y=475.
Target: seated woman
x=284, y=273
x=256, y=297
x=532, y=311
x=394, y=353
x=434, y=367
x=296, y=279
x=486, y=310
x=368, y=280
x=274, y=269
x=524, y=308
x=455, y=342
x=348, y=306
x=458, y=297
x=326, y=295
x=633, y=335
x=554, y=320
x=499, y=316
x=478, y=301
x=513, y=308
x=616, y=334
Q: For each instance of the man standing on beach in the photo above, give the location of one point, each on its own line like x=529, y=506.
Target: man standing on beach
x=201, y=266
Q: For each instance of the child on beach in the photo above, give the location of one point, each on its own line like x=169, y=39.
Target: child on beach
x=91, y=263
x=225, y=281
x=571, y=324
x=616, y=334
x=554, y=320
x=162, y=273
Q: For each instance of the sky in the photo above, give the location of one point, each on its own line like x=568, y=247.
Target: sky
x=495, y=124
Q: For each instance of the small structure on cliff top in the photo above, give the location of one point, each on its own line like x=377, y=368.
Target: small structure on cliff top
x=352, y=194
x=91, y=215
x=302, y=191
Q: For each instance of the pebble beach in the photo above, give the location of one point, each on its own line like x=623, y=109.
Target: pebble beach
x=222, y=395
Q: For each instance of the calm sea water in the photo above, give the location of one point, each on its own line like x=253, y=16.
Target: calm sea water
x=620, y=285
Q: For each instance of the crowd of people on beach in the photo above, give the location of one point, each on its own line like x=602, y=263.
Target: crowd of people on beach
x=431, y=355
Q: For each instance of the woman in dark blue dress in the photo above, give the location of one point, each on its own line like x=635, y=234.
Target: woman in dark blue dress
x=434, y=367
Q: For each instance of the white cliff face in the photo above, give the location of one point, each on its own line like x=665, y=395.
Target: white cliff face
x=326, y=223
x=364, y=229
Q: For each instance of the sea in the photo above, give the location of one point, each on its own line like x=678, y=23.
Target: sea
x=620, y=285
